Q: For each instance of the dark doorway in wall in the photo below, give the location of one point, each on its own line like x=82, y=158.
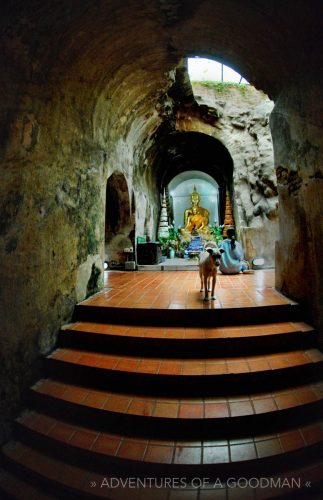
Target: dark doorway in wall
x=118, y=221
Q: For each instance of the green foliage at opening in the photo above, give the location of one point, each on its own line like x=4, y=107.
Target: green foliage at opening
x=223, y=87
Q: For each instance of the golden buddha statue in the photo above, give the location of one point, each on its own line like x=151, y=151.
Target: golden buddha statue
x=195, y=217
x=195, y=221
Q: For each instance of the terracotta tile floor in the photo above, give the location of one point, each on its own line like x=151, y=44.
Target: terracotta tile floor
x=189, y=333
x=176, y=408
x=181, y=290
x=187, y=366
x=178, y=290
x=180, y=452
x=83, y=480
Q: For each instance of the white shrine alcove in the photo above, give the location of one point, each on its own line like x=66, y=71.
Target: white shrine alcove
x=180, y=190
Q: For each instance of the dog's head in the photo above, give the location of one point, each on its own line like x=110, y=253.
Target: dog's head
x=215, y=254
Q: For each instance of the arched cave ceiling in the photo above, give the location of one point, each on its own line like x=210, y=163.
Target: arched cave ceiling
x=115, y=60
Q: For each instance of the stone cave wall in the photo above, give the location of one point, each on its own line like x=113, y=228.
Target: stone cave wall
x=57, y=153
x=52, y=227
x=51, y=232
x=296, y=127
x=238, y=116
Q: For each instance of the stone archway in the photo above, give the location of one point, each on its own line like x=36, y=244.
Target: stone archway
x=118, y=221
x=181, y=152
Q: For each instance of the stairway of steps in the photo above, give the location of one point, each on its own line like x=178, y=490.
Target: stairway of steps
x=135, y=408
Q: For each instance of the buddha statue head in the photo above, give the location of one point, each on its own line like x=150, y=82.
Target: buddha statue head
x=195, y=198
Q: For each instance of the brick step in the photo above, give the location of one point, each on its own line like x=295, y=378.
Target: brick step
x=45, y=473
x=187, y=377
x=185, y=417
x=100, y=452
x=209, y=315
x=13, y=487
x=196, y=341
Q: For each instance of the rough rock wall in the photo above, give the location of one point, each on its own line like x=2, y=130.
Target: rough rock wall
x=296, y=126
x=52, y=224
x=63, y=135
x=51, y=230
x=239, y=118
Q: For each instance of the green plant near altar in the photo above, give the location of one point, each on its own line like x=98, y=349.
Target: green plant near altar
x=174, y=234
x=173, y=240
x=217, y=232
x=164, y=244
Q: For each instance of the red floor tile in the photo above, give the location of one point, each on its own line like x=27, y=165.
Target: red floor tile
x=286, y=401
x=215, y=454
x=170, y=368
x=264, y=405
x=191, y=411
x=215, y=368
x=216, y=410
x=118, y=404
x=62, y=432
x=312, y=433
x=240, y=408
x=75, y=394
x=268, y=447
x=187, y=455
x=159, y=454
x=106, y=444
x=95, y=399
x=237, y=367
x=240, y=452
x=132, y=450
x=144, y=408
x=166, y=410
x=83, y=438
x=291, y=440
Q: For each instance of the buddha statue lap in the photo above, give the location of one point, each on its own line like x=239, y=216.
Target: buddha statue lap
x=195, y=221
x=196, y=218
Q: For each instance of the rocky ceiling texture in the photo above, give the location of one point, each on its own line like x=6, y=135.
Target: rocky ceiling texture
x=87, y=88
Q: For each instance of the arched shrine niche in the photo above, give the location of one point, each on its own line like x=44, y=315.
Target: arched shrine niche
x=119, y=223
x=181, y=188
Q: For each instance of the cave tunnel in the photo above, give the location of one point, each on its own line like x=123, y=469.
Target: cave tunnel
x=92, y=88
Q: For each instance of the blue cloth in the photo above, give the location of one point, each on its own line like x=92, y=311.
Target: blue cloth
x=231, y=259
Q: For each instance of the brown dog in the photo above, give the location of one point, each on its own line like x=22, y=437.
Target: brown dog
x=209, y=260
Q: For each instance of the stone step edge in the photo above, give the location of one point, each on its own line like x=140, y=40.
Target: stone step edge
x=13, y=487
x=168, y=346
x=39, y=479
x=312, y=471
x=139, y=423
x=188, y=317
x=91, y=481
x=71, y=328
x=212, y=385
x=185, y=361
x=212, y=357
x=81, y=456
